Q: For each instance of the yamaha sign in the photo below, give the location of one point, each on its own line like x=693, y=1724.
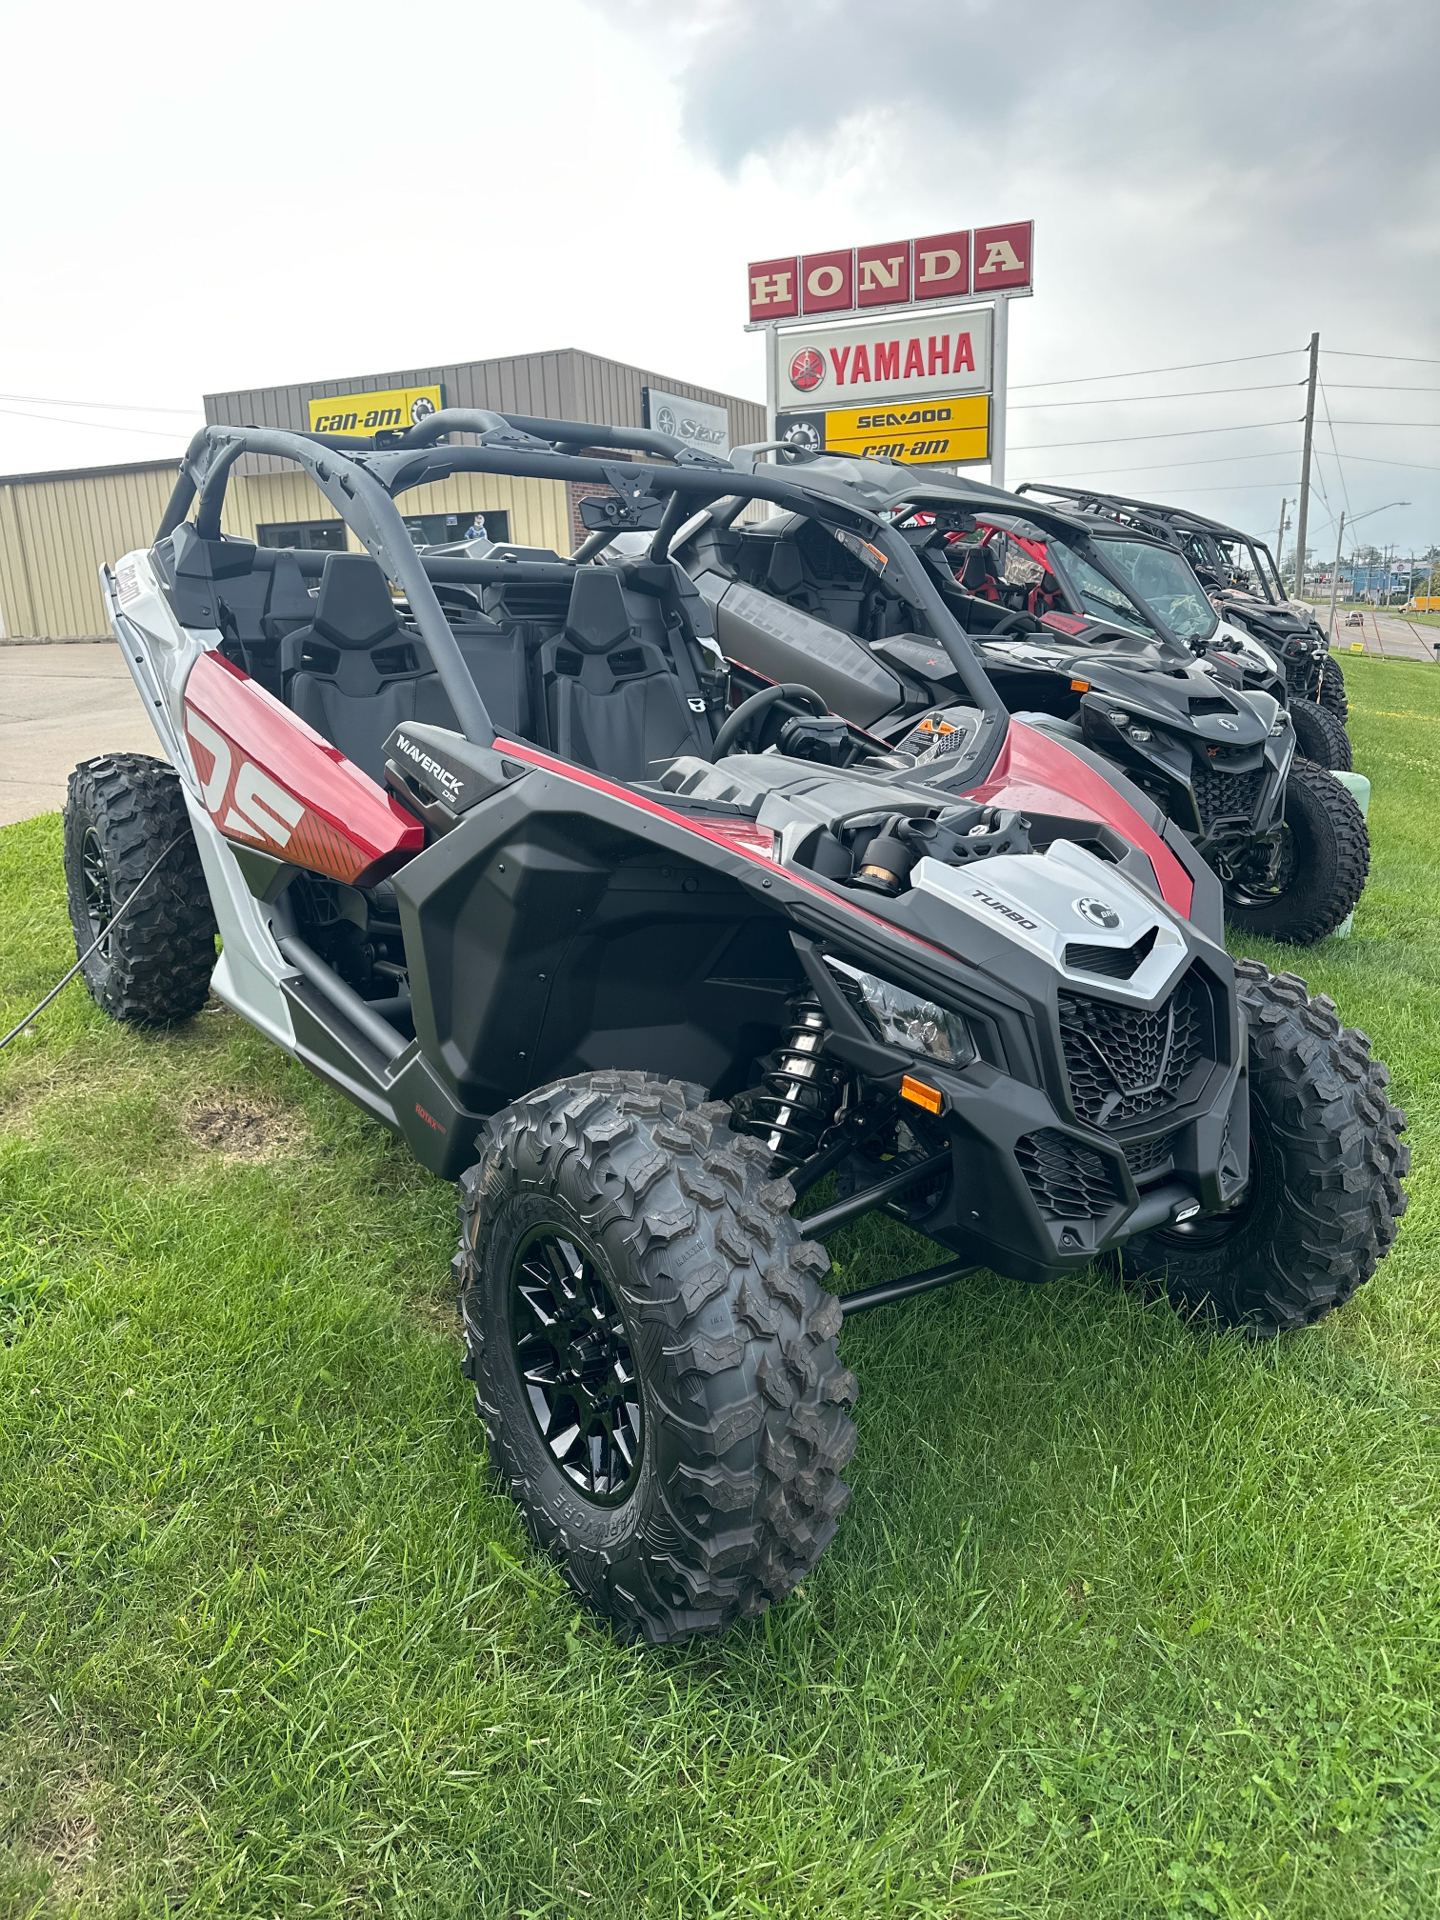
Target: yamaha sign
x=894, y=351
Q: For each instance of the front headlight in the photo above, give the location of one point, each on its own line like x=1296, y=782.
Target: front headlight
x=906, y=1019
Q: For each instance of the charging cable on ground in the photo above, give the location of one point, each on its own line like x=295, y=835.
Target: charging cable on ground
x=104, y=933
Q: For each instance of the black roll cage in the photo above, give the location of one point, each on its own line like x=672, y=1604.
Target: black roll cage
x=1163, y=523
x=361, y=476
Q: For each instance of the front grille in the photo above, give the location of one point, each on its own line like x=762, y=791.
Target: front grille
x=1124, y=1062
x=1227, y=796
x=1116, y=963
x=1148, y=1156
x=1069, y=1180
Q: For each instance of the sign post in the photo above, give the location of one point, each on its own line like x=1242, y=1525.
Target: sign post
x=898, y=351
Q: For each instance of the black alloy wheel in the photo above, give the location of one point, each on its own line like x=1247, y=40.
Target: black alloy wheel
x=572, y=1350
x=95, y=888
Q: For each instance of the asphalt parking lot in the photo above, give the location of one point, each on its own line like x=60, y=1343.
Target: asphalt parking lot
x=59, y=705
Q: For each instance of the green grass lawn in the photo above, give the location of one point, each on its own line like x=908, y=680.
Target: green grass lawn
x=1124, y=1620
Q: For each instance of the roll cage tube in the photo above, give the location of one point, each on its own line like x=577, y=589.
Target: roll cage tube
x=364, y=505
x=361, y=485
x=556, y=433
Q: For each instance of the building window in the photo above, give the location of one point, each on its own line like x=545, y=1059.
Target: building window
x=439, y=529
x=315, y=536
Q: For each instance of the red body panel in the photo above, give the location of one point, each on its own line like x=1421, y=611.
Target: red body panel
x=272, y=782
x=1039, y=775
x=1032, y=771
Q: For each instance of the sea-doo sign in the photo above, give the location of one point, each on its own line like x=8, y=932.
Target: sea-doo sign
x=939, y=266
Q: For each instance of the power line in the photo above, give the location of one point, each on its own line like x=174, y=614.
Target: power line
x=1433, y=425
x=1412, y=359
x=104, y=406
x=1361, y=386
x=1375, y=460
x=1142, y=373
x=1179, y=433
x=93, y=426
x=1194, y=393
x=1168, y=466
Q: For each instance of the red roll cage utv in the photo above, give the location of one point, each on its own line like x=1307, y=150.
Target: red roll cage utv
x=488, y=851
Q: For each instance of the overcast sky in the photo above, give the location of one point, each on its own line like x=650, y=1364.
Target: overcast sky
x=200, y=199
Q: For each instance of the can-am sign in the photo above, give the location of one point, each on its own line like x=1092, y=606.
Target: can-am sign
x=352, y=414
x=902, y=358
x=938, y=266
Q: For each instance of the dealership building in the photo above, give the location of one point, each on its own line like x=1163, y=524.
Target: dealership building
x=57, y=528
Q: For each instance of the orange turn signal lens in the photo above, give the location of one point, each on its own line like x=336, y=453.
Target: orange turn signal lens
x=923, y=1096
x=1079, y=686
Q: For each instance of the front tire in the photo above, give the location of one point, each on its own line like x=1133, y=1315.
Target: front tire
x=1324, y=858
x=653, y=1355
x=1326, y=1164
x=1320, y=736
x=122, y=812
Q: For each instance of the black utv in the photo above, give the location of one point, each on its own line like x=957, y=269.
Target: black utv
x=1239, y=573
x=1066, y=613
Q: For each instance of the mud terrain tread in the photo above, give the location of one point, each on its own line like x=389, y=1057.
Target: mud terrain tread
x=1331, y=874
x=1324, y=1100
x=1320, y=736
x=1332, y=695
x=161, y=955
x=738, y=1343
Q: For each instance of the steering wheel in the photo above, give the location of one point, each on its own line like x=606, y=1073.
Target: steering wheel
x=1011, y=620
x=749, y=711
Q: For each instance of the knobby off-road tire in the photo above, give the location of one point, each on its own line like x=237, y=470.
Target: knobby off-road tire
x=1320, y=736
x=122, y=811
x=1326, y=1163
x=1323, y=863
x=702, y=1291
x=1332, y=694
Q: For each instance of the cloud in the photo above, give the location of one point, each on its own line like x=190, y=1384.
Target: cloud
x=1206, y=182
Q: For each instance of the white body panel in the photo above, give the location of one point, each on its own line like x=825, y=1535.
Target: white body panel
x=1062, y=898
x=160, y=653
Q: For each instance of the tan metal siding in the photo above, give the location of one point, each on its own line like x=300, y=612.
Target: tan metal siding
x=54, y=534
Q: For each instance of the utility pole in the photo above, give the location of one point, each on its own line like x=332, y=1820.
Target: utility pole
x=1303, y=511
x=1335, y=582
x=1280, y=536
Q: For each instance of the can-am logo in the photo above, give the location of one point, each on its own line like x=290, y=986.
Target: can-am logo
x=1097, y=913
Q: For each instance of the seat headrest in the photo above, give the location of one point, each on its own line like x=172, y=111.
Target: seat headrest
x=597, y=619
x=972, y=574
x=354, y=609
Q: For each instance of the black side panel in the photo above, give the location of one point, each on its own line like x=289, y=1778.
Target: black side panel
x=544, y=941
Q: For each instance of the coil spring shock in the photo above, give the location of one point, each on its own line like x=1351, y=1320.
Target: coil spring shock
x=796, y=1100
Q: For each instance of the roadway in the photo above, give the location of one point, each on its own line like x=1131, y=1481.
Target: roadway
x=60, y=704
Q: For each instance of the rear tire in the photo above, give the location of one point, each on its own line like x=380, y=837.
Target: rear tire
x=681, y=1459
x=1323, y=863
x=1332, y=695
x=1326, y=1164
x=1320, y=736
x=122, y=812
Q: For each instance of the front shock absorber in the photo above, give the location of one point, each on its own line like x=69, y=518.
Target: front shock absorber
x=797, y=1098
